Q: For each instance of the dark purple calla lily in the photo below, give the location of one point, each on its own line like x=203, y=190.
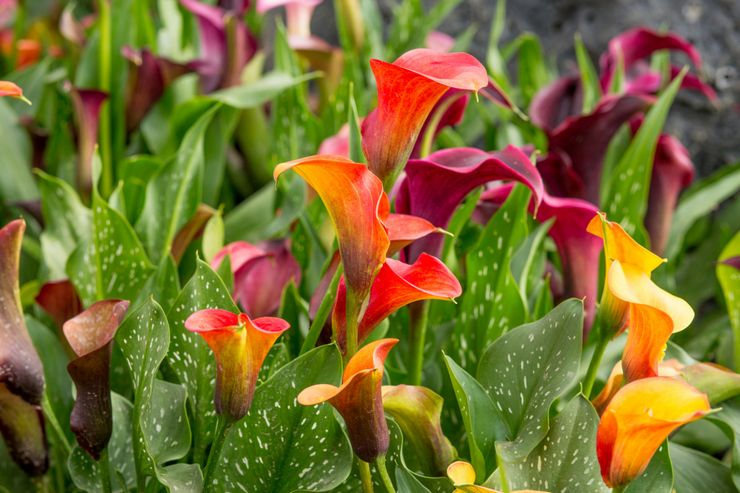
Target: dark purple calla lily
x=87, y=104
x=555, y=102
x=60, y=300
x=149, y=77
x=90, y=335
x=435, y=186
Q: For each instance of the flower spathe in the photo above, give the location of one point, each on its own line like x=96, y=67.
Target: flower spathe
x=408, y=89
x=651, y=314
x=637, y=421
x=462, y=476
x=12, y=90
x=359, y=399
x=240, y=346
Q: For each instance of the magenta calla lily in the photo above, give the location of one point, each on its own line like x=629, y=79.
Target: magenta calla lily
x=87, y=104
x=435, y=186
x=555, y=102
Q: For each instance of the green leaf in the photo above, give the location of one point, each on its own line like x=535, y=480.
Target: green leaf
x=658, y=477
x=566, y=459
x=356, y=153
x=698, y=201
x=17, y=183
x=524, y=262
x=729, y=279
x=728, y=420
x=697, y=472
x=173, y=194
x=484, y=424
x=532, y=67
x=281, y=446
x=163, y=285
x=491, y=304
x=260, y=91
x=213, y=236
x=626, y=198
x=589, y=77
x=525, y=370
x=407, y=483
x=190, y=357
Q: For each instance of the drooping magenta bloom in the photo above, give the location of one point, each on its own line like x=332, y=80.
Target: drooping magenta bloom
x=434, y=187
x=87, y=104
x=359, y=399
x=408, y=90
x=261, y=273
x=21, y=371
x=240, y=346
x=90, y=335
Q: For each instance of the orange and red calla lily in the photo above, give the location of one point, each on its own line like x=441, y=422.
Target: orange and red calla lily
x=359, y=399
x=404, y=229
x=240, y=346
x=90, y=335
x=462, y=475
x=397, y=285
x=12, y=90
x=637, y=421
x=408, y=89
x=631, y=300
x=356, y=203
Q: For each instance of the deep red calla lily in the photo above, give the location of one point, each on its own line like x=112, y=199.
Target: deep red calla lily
x=60, y=300
x=87, y=104
x=408, y=89
x=90, y=335
x=435, y=186
x=359, y=399
x=555, y=102
x=240, y=346
x=397, y=285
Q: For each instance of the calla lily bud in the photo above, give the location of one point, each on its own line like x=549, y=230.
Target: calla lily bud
x=462, y=476
x=90, y=335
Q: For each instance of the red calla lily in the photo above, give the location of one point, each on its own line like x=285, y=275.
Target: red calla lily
x=87, y=104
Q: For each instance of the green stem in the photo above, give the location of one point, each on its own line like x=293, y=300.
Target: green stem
x=380, y=463
x=431, y=131
x=41, y=483
x=104, y=468
x=323, y=312
x=619, y=489
x=418, y=321
x=593, y=367
x=365, y=476
x=222, y=427
x=352, y=326
x=502, y=474
x=104, y=74
x=52, y=419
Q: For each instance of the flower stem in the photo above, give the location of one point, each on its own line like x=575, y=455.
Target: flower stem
x=352, y=326
x=502, y=474
x=222, y=427
x=593, y=367
x=104, y=73
x=365, y=476
x=418, y=320
x=104, y=468
x=618, y=489
x=323, y=312
x=380, y=463
x=52, y=419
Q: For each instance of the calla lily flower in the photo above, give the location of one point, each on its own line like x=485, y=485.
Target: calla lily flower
x=87, y=104
x=190, y=231
x=21, y=372
x=240, y=346
x=418, y=411
x=555, y=102
x=12, y=90
x=637, y=421
x=439, y=41
x=397, y=285
x=462, y=475
x=416, y=80
x=631, y=300
x=260, y=274
x=60, y=300
x=435, y=186
x=337, y=144
x=149, y=77
x=298, y=14
x=404, y=229
x=359, y=399
x=90, y=335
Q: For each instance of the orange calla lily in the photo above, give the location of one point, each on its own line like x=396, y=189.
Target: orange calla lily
x=404, y=229
x=359, y=399
x=462, y=476
x=637, y=421
x=408, y=89
x=631, y=300
x=12, y=90
x=240, y=346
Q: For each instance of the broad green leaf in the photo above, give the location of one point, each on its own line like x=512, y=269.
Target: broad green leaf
x=112, y=263
x=532, y=67
x=729, y=279
x=525, y=370
x=483, y=423
x=407, y=483
x=626, y=198
x=728, y=420
x=658, y=477
x=135, y=173
x=697, y=472
x=525, y=262
x=216, y=143
x=356, y=153
x=491, y=304
x=700, y=200
x=84, y=470
x=189, y=356
x=173, y=194
x=258, y=92
x=281, y=446
x=565, y=460
x=163, y=285
x=17, y=181
x=589, y=77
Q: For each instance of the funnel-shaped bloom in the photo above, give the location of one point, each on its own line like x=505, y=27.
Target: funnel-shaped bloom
x=408, y=89
x=149, y=77
x=60, y=300
x=404, y=229
x=462, y=475
x=397, y=285
x=359, y=399
x=637, y=421
x=11, y=90
x=240, y=346
x=87, y=104
x=435, y=186
x=298, y=14
x=418, y=411
x=555, y=102
x=90, y=334
x=354, y=198
x=651, y=314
